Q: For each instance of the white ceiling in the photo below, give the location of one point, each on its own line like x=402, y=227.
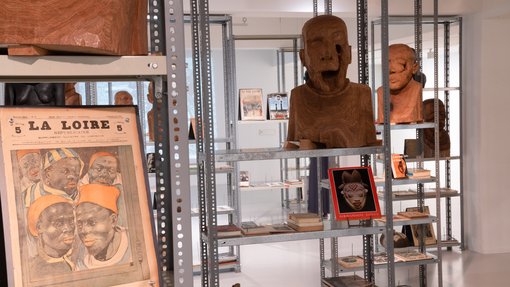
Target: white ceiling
x=304, y=8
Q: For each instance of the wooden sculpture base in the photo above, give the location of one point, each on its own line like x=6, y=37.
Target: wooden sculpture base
x=110, y=27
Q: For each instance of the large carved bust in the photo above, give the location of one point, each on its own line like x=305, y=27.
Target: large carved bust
x=329, y=110
x=405, y=92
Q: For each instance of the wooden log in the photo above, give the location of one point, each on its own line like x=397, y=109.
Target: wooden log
x=110, y=27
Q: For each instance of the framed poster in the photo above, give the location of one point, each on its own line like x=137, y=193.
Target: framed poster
x=75, y=198
x=278, y=106
x=251, y=105
x=353, y=193
x=429, y=235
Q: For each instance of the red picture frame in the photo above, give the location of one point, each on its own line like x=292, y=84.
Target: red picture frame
x=353, y=193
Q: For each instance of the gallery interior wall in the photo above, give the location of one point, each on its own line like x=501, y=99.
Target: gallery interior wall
x=485, y=132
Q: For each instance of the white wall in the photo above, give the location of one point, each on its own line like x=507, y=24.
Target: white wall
x=486, y=137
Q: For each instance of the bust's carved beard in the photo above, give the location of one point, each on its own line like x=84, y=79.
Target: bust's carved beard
x=325, y=81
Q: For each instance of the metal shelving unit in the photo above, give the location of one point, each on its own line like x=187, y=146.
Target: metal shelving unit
x=165, y=19
x=208, y=156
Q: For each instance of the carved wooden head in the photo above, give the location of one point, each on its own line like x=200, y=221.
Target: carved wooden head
x=326, y=53
x=402, y=66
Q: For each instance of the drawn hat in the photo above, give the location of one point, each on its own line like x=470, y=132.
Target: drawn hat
x=99, y=154
x=38, y=206
x=354, y=177
x=103, y=195
x=22, y=152
x=57, y=154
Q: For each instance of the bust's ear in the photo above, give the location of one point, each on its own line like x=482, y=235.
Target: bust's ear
x=302, y=56
x=415, y=68
x=349, y=54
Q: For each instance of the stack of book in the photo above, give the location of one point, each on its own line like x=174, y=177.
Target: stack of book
x=229, y=230
x=249, y=228
x=280, y=228
x=305, y=222
x=418, y=173
x=413, y=214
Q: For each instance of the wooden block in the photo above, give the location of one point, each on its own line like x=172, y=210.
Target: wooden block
x=109, y=27
x=26, y=50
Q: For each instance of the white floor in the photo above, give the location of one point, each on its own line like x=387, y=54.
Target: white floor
x=296, y=263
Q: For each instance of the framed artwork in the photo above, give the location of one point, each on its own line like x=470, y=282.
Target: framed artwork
x=74, y=197
x=353, y=193
x=251, y=105
x=429, y=235
x=278, y=106
x=398, y=166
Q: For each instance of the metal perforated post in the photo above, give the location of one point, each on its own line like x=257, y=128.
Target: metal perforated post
x=91, y=93
x=436, y=152
x=205, y=142
x=171, y=145
x=461, y=149
x=231, y=125
x=328, y=8
x=362, y=29
x=388, y=200
x=315, y=9
x=448, y=200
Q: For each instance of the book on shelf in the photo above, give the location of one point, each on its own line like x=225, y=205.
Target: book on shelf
x=398, y=166
x=413, y=214
x=444, y=191
x=404, y=193
x=251, y=228
x=304, y=227
x=407, y=255
x=280, y=228
x=228, y=230
x=352, y=261
x=382, y=258
x=251, y=105
x=346, y=281
x=278, y=106
x=411, y=148
x=244, y=178
x=415, y=230
x=227, y=258
x=305, y=217
x=396, y=217
x=418, y=173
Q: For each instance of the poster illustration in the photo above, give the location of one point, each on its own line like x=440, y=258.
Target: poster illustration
x=353, y=193
x=74, y=198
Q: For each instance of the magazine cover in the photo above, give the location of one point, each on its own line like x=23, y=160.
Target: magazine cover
x=251, y=105
x=353, y=193
x=75, y=198
x=278, y=106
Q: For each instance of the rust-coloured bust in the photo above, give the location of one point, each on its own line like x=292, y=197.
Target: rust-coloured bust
x=405, y=92
x=123, y=98
x=150, y=114
x=72, y=98
x=428, y=134
x=112, y=27
x=329, y=110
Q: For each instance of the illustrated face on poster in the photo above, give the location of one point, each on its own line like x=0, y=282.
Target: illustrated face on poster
x=81, y=232
x=87, y=221
x=353, y=193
